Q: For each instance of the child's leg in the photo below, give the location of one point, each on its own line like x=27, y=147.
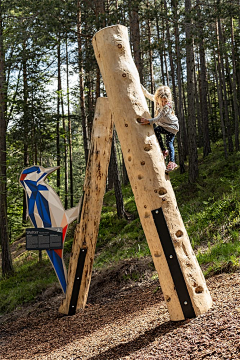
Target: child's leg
x=169, y=141
x=158, y=131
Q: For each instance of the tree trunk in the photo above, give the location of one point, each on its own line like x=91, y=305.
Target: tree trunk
x=181, y=136
x=65, y=143
x=198, y=110
x=65, y=163
x=204, y=102
x=192, y=143
x=223, y=85
x=220, y=102
x=169, y=42
x=116, y=181
x=237, y=54
x=125, y=174
x=100, y=23
x=235, y=101
x=203, y=88
x=7, y=267
x=58, y=118
x=166, y=66
x=10, y=111
x=173, y=81
x=146, y=169
x=69, y=136
x=25, y=125
x=185, y=116
x=213, y=109
x=160, y=42
x=110, y=180
x=135, y=36
x=164, y=59
x=81, y=82
x=86, y=232
x=152, y=86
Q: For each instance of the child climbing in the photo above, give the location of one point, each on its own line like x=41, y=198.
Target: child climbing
x=166, y=122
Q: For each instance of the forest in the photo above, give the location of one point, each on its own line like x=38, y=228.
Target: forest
x=49, y=85
x=50, y=80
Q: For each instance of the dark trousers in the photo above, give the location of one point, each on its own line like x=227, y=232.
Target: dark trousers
x=159, y=130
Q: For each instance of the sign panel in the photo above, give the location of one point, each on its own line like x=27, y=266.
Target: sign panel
x=44, y=238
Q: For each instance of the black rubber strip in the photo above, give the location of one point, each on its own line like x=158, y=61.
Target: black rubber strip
x=77, y=282
x=173, y=263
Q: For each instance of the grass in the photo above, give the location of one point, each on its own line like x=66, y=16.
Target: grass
x=129, y=242
x=220, y=257
x=28, y=281
x=211, y=213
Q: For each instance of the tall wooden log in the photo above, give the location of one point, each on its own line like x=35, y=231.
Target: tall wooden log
x=85, y=238
x=152, y=188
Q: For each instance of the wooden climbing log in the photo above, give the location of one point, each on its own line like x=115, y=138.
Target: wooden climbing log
x=85, y=238
x=181, y=280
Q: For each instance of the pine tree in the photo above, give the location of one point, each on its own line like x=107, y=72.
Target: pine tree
x=7, y=267
x=193, y=158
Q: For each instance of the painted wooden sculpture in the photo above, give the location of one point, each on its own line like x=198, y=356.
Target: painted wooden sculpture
x=45, y=210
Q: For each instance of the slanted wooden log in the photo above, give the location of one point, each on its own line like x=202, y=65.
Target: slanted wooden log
x=146, y=170
x=85, y=238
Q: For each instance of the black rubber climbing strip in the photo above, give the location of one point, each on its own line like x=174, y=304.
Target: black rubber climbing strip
x=173, y=263
x=77, y=282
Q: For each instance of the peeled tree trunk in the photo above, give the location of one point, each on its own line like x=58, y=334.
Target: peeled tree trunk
x=146, y=169
x=86, y=232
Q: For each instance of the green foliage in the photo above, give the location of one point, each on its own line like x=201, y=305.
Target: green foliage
x=119, y=238
x=210, y=209
x=211, y=212
x=222, y=257
x=135, y=276
x=28, y=281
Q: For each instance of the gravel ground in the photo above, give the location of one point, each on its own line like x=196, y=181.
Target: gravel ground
x=126, y=321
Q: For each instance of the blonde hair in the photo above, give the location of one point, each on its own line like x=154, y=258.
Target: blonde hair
x=162, y=92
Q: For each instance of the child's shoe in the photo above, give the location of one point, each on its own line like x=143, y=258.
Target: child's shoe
x=165, y=153
x=171, y=166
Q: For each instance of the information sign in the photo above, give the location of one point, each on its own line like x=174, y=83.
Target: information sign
x=44, y=238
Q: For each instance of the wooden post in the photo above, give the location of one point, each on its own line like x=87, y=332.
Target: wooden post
x=84, y=244
x=167, y=238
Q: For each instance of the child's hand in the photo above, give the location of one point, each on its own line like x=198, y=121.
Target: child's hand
x=143, y=121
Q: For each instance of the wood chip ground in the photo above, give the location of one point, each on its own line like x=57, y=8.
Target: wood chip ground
x=129, y=322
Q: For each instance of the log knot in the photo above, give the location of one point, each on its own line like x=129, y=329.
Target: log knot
x=162, y=191
x=147, y=147
x=168, y=298
x=179, y=233
x=199, y=289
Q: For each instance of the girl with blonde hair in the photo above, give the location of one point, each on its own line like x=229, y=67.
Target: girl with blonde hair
x=165, y=122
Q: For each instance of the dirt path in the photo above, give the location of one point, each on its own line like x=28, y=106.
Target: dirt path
x=126, y=322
